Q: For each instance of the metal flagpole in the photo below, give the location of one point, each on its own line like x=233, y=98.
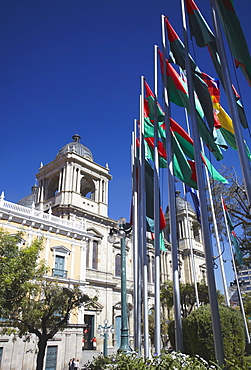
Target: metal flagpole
x=135, y=237
x=188, y=229
x=172, y=208
x=156, y=213
x=223, y=275
x=236, y=276
x=218, y=344
x=244, y=162
x=143, y=225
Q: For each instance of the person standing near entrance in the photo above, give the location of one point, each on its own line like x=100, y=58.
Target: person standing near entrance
x=76, y=364
x=70, y=364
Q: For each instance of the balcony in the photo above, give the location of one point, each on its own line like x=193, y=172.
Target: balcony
x=59, y=273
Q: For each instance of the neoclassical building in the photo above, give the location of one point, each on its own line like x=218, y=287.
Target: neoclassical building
x=190, y=248
x=69, y=208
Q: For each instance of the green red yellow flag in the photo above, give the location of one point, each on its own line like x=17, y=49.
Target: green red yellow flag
x=177, y=55
x=177, y=91
x=235, y=36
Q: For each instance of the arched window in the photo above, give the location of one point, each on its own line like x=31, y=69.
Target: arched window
x=118, y=265
x=95, y=255
x=87, y=187
x=53, y=187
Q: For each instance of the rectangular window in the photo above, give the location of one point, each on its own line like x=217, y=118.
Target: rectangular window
x=95, y=255
x=118, y=265
x=1, y=355
x=51, y=358
x=59, y=267
x=87, y=255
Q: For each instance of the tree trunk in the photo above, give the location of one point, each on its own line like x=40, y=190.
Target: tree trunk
x=41, y=352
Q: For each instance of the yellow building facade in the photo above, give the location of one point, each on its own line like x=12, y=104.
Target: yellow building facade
x=69, y=209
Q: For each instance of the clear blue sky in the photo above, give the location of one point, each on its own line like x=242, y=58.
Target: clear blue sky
x=74, y=66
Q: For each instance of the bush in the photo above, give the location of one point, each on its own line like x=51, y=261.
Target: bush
x=132, y=361
x=198, y=334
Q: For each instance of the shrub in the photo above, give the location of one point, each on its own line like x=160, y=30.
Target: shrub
x=132, y=361
x=198, y=334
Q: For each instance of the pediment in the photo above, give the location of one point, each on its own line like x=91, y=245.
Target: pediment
x=94, y=305
x=61, y=249
x=94, y=232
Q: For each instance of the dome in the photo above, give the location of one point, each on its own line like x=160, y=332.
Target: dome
x=76, y=147
x=181, y=204
x=29, y=199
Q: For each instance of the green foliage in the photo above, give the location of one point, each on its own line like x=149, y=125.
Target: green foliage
x=163, y=327
x=132, y=361
x=187, y=296
x=45, y=309
x=235, y=197
x=29, y=303
x=18, y=266
x=198, y=334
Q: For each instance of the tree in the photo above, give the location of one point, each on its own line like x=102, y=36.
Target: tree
x=44, y=311
x=29, y=303
x=234, y=195
x=198, y=333
x=163, y=327
x=187, y=297
x=18, y=266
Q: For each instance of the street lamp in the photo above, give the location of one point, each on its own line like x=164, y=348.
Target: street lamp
x=124, y=229
x=105, y=334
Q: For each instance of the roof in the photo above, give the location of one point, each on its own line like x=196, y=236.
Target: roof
x=29, y=199
x=76, y=147
x=181, y=204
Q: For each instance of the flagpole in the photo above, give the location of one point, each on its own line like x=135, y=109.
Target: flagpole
x=157, y=334
x=236, y=275
x=140, y=243
x=172, y=208
x=244, y=162
x=189, y=231
x=187, y=223
x=135, y=237
x=143, y=225
x=218, y=343
x=223, y=275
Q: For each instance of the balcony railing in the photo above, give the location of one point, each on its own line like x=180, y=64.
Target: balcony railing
x=29, y=212
x=59, y=273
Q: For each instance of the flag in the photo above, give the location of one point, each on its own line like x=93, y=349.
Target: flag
x=226, y=124
x=236, y=248
x=177, y=91
x=235, y=37
x=177, y=51
x=149, y=188
x=195, y=201
x=234, y=240
x=203, y=34
x=205, y=37
x=186, y=143
x=183, y=144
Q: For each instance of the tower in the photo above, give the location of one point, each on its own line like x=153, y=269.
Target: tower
x=73, y=185
x=190, y=249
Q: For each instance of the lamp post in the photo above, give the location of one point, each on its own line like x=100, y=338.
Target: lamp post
x=105, y=334
x=124, y=229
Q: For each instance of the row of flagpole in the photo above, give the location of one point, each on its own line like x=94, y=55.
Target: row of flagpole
x=139, y=207
x=218, y=344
